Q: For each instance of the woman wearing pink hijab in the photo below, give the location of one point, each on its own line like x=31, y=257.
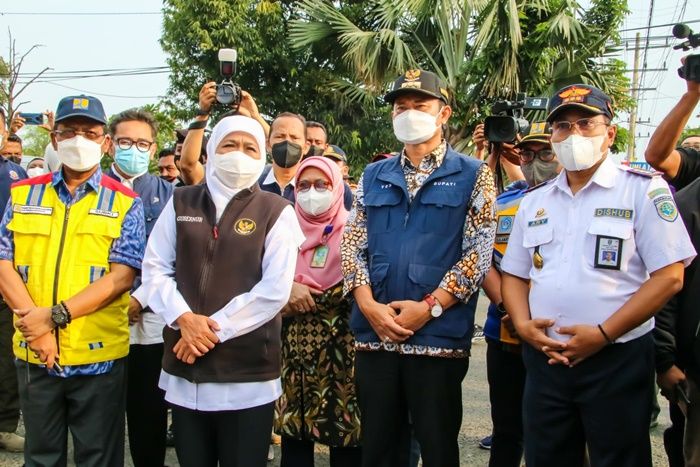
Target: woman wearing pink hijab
x=318, y=404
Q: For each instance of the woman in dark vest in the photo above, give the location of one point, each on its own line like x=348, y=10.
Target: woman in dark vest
x=318, y=404
x=219, y=267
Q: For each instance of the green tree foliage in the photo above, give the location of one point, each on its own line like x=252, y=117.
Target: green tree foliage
x=332, y=61
x=687, y=133
x=484, y=50
x=280, y=78
x=34, y=140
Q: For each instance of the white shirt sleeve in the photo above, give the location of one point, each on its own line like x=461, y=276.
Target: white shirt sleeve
x=158, y=272
x=517, y=260
x=248, y=311
x=660, y=234
x=141, y=295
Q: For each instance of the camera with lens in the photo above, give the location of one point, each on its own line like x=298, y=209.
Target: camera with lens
x=690, y=71
x=508, y=120
x=228, y=93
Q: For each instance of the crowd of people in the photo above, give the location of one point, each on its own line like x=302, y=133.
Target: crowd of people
x=242, y=280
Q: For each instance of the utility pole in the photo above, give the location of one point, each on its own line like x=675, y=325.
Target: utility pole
x=635, y=93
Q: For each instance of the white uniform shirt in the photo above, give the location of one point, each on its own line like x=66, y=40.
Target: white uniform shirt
x=597, y=247
x=243, y=314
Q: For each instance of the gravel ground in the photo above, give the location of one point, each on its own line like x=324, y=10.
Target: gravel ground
x=476, y=422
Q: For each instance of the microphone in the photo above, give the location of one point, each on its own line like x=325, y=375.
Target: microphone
x=681, y=31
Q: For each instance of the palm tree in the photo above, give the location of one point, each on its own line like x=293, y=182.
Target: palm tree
x=483, y=50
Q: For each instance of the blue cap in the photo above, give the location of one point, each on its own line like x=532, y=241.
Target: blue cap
x=81, y=106
x=580, y=96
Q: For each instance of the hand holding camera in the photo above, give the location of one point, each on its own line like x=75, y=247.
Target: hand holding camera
x=690, y=71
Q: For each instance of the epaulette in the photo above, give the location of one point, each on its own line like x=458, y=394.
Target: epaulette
x=641, y=172
x=538, y=186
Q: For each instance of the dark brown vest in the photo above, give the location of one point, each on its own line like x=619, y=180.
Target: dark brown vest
x=215, y=263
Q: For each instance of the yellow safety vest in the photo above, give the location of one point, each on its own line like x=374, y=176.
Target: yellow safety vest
x=59, y=251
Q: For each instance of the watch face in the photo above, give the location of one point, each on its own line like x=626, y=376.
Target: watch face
x=436, y=311
x=59, y=317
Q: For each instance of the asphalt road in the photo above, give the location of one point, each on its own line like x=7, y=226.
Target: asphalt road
x=476, y=422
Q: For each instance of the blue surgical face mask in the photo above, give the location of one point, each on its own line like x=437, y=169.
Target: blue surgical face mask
x=132, y=161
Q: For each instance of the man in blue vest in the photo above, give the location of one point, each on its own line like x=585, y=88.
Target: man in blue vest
x=416, y=248
x=133, y=147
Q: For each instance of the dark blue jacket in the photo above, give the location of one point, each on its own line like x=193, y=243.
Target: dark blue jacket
x=155, y=193
x=289, y=192
x=9, y=174
x=411, y=246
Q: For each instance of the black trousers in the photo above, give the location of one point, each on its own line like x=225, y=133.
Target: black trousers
x=146, y=410
x=506, y=375
x=430, y=388
x=234, y=438
x=604, y=403
x=300, y=453
x=92, y=407
x=673, y=437
x=9, y=397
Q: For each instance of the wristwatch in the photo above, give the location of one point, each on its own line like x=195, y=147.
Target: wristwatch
x=434, y=304
x=60, y=315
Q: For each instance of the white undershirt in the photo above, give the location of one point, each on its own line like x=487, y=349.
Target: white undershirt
x=243, y=314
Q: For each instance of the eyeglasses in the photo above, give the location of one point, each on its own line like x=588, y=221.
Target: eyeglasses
x=69, y=133
x=545, y=155
x=126, y=143
x=583, y=125
x=695, y=146
x=305, y=185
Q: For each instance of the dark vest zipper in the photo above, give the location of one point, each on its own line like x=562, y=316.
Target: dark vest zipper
x=58, y=266
x=205, y=267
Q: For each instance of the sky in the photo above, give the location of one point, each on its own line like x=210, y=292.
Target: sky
x=107, y=41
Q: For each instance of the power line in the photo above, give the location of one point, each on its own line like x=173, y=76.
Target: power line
x=103, y=94
x=103, y=70
x=659, y=26
x=79, y=13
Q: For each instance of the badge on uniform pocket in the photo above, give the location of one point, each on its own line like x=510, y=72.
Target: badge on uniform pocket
x=608, y=252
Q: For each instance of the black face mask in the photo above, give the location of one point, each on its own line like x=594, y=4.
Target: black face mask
x=286, y=154
x=314, y=151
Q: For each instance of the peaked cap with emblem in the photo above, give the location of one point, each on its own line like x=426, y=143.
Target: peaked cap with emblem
x=420, y=81
x=540, y=132
x=81, y=106
x=580, y=96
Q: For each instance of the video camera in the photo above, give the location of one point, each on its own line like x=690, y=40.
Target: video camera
x=690, y=71
x=508, y=118
x=228, y=93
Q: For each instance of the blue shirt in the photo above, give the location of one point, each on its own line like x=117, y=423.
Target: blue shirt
x=9, y=174
x=128, y=249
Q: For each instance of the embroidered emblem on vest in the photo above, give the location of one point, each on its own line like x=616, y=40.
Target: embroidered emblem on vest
x=244, y=226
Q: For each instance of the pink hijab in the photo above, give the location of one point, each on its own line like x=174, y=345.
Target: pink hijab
x=316, y=229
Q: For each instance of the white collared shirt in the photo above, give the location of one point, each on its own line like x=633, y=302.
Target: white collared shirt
x=597, y=247
x=270, y=179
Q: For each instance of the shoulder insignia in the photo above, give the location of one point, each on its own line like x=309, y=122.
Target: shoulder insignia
x=538, y=186
x=641, y=172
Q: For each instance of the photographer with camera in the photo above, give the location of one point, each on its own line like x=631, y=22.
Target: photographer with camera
x=681, y=166
x=192, y=170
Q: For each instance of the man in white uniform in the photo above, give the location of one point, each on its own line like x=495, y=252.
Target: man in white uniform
x=592, y=256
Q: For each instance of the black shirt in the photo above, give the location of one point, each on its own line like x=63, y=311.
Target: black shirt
x=689, y=168
x=678, y=322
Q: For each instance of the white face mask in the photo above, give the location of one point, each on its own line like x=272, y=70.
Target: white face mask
x=579, y=152
x=35, y=172
x=314, y=202
x=79, y=153
x=414, y=126
x=237, y=169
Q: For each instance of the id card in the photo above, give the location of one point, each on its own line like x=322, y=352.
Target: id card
x=608, y=252
x=318, y=260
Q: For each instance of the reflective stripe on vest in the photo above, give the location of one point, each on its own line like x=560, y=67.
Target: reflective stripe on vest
x=58, y=252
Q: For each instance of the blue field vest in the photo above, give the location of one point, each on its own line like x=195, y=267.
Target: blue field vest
x=411, y=246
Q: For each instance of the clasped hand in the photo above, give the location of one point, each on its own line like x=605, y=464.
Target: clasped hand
x=198, y=336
